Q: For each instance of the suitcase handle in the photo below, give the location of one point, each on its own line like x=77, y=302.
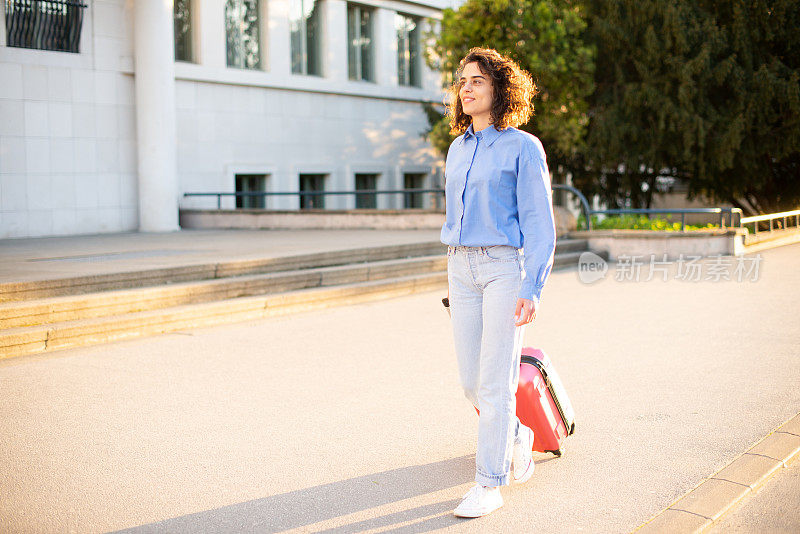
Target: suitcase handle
x=539, y=365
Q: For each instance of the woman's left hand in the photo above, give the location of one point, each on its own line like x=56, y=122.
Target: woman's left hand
x=525, y=313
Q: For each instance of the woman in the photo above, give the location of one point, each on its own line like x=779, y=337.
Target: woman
x=498, y=201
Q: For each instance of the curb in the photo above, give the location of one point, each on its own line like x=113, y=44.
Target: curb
x=785, y=237
x=704, y=505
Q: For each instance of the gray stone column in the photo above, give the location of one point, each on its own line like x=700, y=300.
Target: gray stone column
x=334, y=39
x=154, y=74
x=385, y=47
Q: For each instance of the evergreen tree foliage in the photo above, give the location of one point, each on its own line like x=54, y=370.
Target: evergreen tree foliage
x=704, y=90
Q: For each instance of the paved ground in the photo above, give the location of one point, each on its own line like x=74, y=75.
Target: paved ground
x=61, y=257
x=351, y=419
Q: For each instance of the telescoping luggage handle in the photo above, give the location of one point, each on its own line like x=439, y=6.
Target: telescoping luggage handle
x=540, y=365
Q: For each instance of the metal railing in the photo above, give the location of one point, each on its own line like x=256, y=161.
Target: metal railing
x=581, y=197
x=741, y=222
x=722, y=212
x=357, y=193
x=771, y=217
x=44, y=24
x=311, y=194
x=733, y=215
x=588, y=212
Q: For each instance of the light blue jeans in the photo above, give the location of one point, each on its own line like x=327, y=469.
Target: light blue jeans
x=484, y=286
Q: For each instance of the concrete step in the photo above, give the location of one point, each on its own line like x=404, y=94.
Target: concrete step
x=570, y=259
x=566, y=259
x=99, y=304
x=19, y=291
x=74, y=307
x=67, y=334
x=236, y=291
x=565, y=245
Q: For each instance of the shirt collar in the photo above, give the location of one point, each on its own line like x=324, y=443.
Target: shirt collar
x=489, y=134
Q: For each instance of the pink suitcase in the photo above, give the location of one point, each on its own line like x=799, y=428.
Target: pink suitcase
x=542, y=402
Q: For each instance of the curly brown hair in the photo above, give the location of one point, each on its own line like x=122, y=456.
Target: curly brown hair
x=513, y=87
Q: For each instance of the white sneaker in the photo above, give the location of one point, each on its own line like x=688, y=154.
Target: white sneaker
x=523, y=456
x=479, y=501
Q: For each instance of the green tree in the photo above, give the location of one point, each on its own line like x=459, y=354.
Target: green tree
x=704, y=90
x=545, y=37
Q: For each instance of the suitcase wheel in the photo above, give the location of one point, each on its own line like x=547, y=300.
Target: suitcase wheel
x=556, y=453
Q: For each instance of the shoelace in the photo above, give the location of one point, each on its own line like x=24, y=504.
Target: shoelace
x=478, y=489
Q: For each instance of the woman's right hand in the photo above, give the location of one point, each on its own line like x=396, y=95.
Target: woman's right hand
x=525, y=312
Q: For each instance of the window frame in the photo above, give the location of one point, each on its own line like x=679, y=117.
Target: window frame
x=267, y=169
x=324, y=178
x=358, y=51
x=261, y=25
x=305, y=62
x=261, y=202
x=412, y=68
x=409, y=197
x=370, y=198
x=193, y=34
x=83, y=15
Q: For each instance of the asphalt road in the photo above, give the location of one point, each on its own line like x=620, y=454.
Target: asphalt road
x=351, y=419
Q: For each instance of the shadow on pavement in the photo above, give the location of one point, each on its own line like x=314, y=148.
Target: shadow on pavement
x=428, y=517
x=305, y=507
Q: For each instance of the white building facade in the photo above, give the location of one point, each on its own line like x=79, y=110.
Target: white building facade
x=265, y=95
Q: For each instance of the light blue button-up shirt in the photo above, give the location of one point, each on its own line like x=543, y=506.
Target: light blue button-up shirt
x=497, y=190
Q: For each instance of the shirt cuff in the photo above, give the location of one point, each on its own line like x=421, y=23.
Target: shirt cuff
x=531, y=293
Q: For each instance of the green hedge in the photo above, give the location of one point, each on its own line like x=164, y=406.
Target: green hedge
x=638, y=222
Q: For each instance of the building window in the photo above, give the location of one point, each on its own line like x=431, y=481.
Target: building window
x=304, y=21
x=250, y=183
x=366, y=182
x=359, y=43
x=241, y=34
x=312, y=183
x=413, y=181
x=408, y=64
x=182, y=19
x=44, y=25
